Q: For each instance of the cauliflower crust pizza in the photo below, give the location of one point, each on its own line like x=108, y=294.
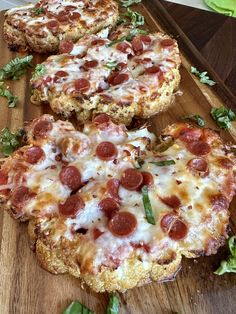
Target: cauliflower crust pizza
x=41, y=26
x=124, y=76
x=113, y=207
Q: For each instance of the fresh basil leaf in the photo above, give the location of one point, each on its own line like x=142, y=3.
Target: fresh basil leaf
x=223, y=117
x=4, y=92
x=133, y=32
x=114, y=305
x=127, y=3
x=15, y=68
x=38, y=11
x=163, y=163
x=39, y=70
x=204, y=78
x=147, y=206
x=229, y=266
x=135, y=18
x=77, y=308
x=9, y=141
x=111, y=64
x=195, y=118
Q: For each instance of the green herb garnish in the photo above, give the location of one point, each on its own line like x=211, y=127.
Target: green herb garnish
x=39, y=70
x=195, y=118
x=10, y=141
x=135, y=18
x=114, y=305
x=204, y=78
x=38, y=11
x=77, y=308
x=147, y=206
x=229, y=266
x=163, y=163
x=15, y=68
x=223, y=117
x=4, y=92
x=132, y=33
x=111, y=65
x=127, y=3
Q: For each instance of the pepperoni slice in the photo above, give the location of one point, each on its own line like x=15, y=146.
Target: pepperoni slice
x=109, y=207
x=175, y=227
x=131, y=179
x=66, y=46
x=189, y=135
x=113, y=188
x=123, y=47
x=145, y=39
x=72, y=206
x=198, y=166
x=90, y=64
x=178, y=230
x=137, y=45
x=98, y=42
x=101, y=118
x=172, y=201
x=147, y=178
x=219, y=202
x=166, y=221
x=70, y=7
x=61, y=73
x=41, y=128
x=75, y=15
x=62, y=16
x=152, y=70
x=123, y=224
x=82, y=85
x=70, y=176
x=167, y=42
x=118, y=78
x=34, y=154
x=53, y=25
x=106, y=151
x=20, y=196
x=199, y=148
x=97, y=233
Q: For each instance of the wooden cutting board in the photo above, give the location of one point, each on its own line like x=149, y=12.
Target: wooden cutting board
x=25, y=288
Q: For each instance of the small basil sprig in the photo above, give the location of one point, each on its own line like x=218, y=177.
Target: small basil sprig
x=4, y=92
x=133, y=32
x=15, y=68
x=10, y=141
x=114, y=305
x=223, y=117
x=195, y=118
x=38, y=11
x=135, y=18
x=229, y=266
x=111, y=64
x=77, y=308
x=163, y=163
x=39, y=70
x=204, y=78
x=127, y=3
x=139, y=163
x=147, y=206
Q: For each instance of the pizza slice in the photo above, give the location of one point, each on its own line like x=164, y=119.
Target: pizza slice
x=40, y=27
x=125, y=76
x=115, y=208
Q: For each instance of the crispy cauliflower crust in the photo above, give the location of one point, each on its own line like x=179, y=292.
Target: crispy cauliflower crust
x=25, y=30
x=65, y=245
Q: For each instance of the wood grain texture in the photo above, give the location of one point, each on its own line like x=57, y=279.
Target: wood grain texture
x=214, y=35
x=25, y=288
